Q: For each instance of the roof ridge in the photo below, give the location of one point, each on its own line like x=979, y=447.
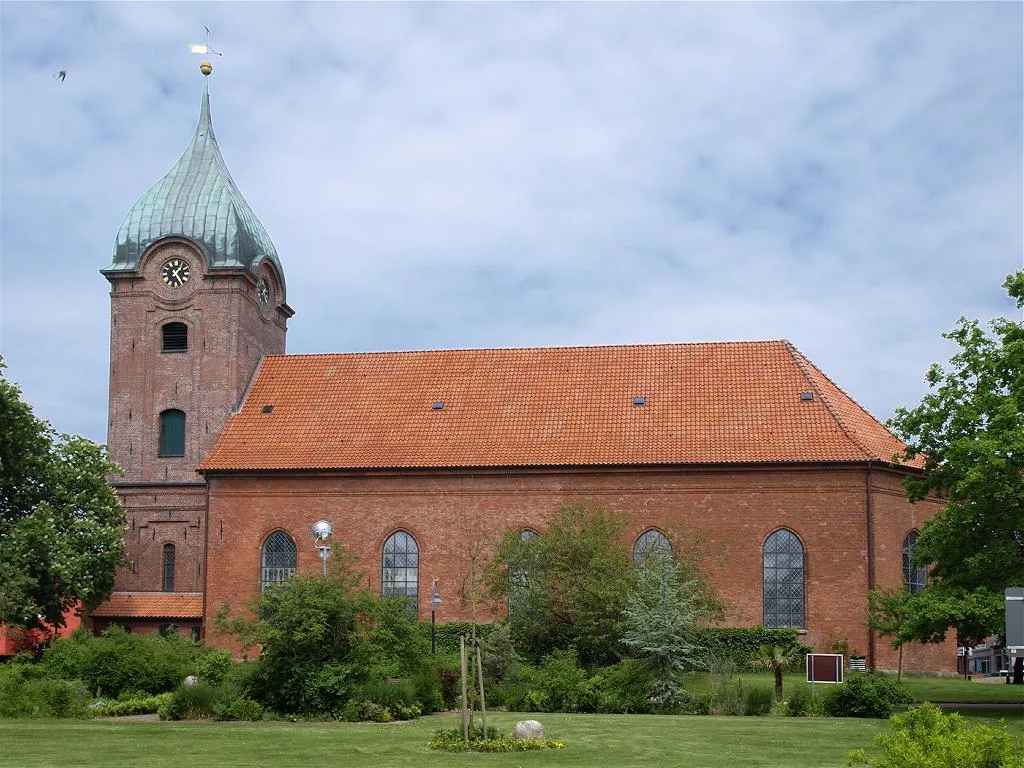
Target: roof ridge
x=556, y=347
x=802, y=361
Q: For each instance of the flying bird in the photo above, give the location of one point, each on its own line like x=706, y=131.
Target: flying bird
x=61, y=75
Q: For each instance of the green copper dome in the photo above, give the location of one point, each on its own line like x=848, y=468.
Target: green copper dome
x=198, y=200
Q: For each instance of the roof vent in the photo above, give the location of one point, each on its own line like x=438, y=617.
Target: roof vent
x=806, y=395
x=639, y=400
x=268, y=409
x=438, y=405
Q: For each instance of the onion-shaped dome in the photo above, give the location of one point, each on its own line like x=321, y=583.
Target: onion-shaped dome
x=197, y=199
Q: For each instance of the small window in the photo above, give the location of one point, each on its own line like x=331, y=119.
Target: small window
x=651, y=543
x=915, y=578
x=172, y=433
x=277, y=559
x=400, y=568
x=783, y=580
x=175, y=337
x=168, y=567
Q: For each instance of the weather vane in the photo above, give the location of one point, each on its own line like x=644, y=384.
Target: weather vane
x=204, y=48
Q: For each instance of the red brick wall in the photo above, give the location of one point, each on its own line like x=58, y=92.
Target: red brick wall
x=732, y=511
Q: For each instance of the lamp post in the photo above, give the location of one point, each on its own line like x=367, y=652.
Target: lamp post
x=435, y=600
x=322, y=531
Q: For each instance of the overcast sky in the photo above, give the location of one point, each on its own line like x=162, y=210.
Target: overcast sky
x=845, y=176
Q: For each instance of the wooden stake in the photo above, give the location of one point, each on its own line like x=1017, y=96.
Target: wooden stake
x=465, y=673
x=480, y=677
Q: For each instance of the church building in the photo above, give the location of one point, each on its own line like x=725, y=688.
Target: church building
x=232, y=449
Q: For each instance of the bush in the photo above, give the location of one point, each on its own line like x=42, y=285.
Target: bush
x=190, y=702
x=365, y=711
x=117, y=661
x=625, y=688
x=924, y=737
x=24, y=694
x=728, y=698
x=242, y=709
x=865, y=694
x=560, y=684
x=801, y=702
x=434, y=682
x=395, y=696
x=758, y=700
x=213, y=666
x=142, y=705
x=739, y=645
x=450, y=740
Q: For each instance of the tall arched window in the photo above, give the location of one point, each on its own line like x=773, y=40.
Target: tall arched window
x=168, y=567
x=277, y=559
x=172, y=433
x=651, y=543
x=174, y=337
x=400, y=568
x=914, y=577
x=783, y=580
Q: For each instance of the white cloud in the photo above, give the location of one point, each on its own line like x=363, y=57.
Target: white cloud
x=847, y=176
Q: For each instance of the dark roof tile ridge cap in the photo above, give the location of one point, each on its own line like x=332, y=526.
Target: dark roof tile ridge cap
x=802, y=363
x=566, y=347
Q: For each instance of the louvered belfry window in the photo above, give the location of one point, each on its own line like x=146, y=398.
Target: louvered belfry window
x=783, y=580
x=277, y=560
x=400, y=568
x=175, y=337
x=168, y=567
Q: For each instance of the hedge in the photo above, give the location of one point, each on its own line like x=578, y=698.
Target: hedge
x=739, y=645
x=448, y=634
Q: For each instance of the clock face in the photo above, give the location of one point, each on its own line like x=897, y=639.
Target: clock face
x=263, y=293
x=175, y=272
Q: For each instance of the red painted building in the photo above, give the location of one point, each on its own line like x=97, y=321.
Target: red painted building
x=232, y=450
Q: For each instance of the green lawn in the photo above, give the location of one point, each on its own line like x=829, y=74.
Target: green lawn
x=594, y=741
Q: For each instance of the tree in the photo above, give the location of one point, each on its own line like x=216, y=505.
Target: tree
x=61, y=526
x=568, y=587
x=969, y=429
x=322, y=638
x=778, y=658
x=662, y=613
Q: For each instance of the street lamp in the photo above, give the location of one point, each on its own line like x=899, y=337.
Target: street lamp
x=435, y=600
x=322, y=531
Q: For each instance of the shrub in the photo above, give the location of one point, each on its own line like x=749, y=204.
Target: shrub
x=429, y=684
x=560, y=684
x=758, y=699
x=213, y=666
x=924, y=737
x=365, y=711
x=727, y=698
x=450, y=740
x=242, y=709
x=117, y=661
x=191, y=702
x=867, y=694
x=24, y=694
x=141, y=705
x=395, y=696
x=739, y=645
x=802, y=702
x=625, y=688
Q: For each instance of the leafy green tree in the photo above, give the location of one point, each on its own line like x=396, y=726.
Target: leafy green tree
x=61, y=526
x=323, y=638
x=661, y=615
x=969, y=429
x=567, y=588
x=888, y=615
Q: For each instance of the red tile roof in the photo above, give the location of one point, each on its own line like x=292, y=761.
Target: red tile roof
x=713, y=403
x=153, y=605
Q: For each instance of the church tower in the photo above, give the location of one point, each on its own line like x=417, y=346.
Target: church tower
x=197, y=299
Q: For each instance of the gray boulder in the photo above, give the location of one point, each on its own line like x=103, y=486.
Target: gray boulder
x=190, y=680
x=529, y=729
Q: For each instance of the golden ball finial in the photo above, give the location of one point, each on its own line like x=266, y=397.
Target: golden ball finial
x=205, y=67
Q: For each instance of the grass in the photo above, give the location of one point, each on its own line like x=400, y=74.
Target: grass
x=595, y=741
x=922, y=688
